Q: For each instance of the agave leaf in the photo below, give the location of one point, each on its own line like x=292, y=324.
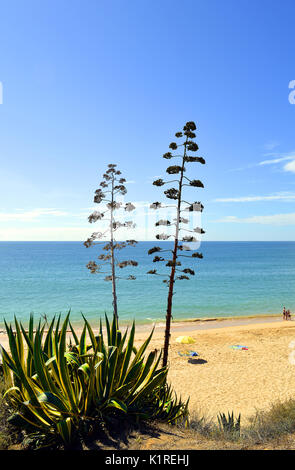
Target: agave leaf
x=150, y=385
x=30, y=350
x=22, y=422
x=25, y=380
x=134, y=372
x=64, y=428
x=72, y=358
x=128, y=352
x=7, y=361
x=19, y=342
x=55, y=337
x=53, y=400
x=108, y=330
x=31, y=327
x=91, y=334
x=142, y=349
x=62, y=366
x=48, y=347
x=120, y=405
x=82, y=344
x=146, y=375
x=114, y=331
x=74, y=334
x=41, y=367
x=85, y=368
x=112, y=362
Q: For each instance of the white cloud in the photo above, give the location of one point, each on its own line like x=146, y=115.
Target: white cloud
x=276, y=219
x=275, y=160
x=141, y=232
x=44, y=234
x=29, y=215
x=277, y=197
x=287, y=167
x=41, y=224
x=290, y=166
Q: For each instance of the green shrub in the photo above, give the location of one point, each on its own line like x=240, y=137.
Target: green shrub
x=59, y=390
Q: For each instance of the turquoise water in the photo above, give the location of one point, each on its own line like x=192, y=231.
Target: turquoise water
x=233, y=279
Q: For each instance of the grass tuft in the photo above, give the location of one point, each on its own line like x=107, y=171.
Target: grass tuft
x=272, y=424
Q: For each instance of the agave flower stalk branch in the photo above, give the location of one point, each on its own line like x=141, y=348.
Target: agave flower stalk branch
x=115, y=303
x=176, y=194
x=114, y=184
x=172, y=274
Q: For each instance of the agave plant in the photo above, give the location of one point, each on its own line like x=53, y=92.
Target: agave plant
x=55, y=388
x=229, y=424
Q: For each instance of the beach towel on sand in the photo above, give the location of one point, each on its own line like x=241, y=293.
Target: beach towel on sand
x=239, y=346
x=189, y=354
x=185, y=340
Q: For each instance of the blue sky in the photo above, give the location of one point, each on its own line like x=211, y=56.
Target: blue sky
x=86, y=83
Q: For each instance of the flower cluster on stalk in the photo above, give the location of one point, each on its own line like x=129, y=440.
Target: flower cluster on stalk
x=113, y=186
x=176, y=193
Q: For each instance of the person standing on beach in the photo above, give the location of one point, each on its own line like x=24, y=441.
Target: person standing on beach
x=284, y=314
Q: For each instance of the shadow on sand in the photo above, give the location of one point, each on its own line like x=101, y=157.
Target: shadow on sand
x=197, y=361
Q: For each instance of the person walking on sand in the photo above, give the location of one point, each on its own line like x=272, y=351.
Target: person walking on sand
x=288, y=315
x=284, y=314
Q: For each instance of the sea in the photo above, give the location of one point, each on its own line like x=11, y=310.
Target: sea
x=233, y=279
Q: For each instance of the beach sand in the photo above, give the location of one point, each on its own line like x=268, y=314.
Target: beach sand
x=222, y=379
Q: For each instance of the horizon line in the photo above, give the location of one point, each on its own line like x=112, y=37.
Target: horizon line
x=143, y=241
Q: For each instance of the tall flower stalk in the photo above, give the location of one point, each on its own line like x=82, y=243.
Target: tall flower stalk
x=176, y=194
x=111, y=187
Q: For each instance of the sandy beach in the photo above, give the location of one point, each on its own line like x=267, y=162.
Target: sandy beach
x=225, y=379
x=222, y=379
